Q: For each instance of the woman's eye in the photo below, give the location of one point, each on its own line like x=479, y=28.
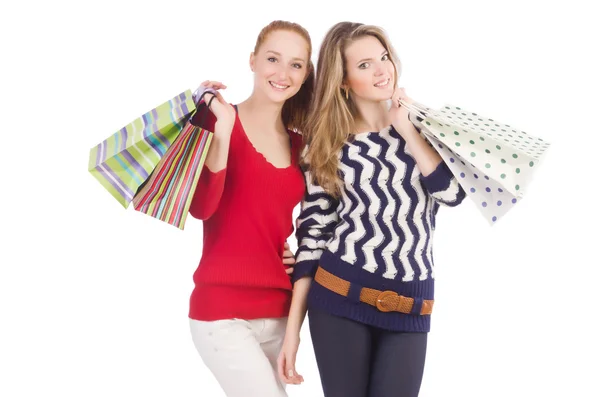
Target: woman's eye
x=297, y=66
x=385, y=57
x=364, y=65
x=272, y=59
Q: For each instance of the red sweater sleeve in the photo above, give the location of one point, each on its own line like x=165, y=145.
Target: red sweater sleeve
x=208, y=193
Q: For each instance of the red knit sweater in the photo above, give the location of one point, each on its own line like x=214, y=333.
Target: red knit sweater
x=247, y=213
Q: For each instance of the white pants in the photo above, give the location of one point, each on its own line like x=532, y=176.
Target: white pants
x=242, y=354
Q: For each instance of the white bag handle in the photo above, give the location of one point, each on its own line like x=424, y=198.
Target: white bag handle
x=414, y=108
x=420, y=110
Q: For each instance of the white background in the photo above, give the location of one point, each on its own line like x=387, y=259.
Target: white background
x=94, y=299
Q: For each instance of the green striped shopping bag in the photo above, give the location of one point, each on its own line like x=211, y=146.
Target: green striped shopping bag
x=168, y=192
x=123, y=162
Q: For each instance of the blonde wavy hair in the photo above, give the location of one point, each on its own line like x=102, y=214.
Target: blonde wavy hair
x=332, y=116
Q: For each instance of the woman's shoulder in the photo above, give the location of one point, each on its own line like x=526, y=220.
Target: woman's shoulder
x=295, y=134
x=296, y=138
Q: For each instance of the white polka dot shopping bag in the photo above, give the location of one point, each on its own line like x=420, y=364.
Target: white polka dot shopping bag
x=493, y=161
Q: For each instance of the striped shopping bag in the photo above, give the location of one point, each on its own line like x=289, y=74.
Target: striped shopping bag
x=168, y=193
x=123, y=162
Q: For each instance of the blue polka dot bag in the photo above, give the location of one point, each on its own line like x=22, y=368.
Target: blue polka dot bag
x=494, y=162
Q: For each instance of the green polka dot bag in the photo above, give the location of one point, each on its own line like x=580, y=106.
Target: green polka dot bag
x=494, y=162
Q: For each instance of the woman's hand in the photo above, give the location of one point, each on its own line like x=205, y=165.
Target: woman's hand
x=288, y=258
x=223, y=111
x=399, y=113
x=286, y=363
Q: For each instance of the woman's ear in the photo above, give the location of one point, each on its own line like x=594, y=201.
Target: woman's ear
x=308, y=71
x=252, y=61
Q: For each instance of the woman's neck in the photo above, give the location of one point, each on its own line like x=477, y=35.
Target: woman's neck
x=263, y=112
x=372, y=116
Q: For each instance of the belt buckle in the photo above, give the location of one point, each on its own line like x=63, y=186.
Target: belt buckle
x=381, y=301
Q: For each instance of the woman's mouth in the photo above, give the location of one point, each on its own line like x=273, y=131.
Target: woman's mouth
x=382, y=83
x=279, y=87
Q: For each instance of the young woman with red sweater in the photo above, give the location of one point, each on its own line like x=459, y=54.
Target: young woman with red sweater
x=250, y=184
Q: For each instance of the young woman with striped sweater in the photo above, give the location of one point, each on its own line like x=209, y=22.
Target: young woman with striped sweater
x=364, y=266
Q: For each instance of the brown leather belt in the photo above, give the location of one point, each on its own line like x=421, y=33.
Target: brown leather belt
x=385, y=301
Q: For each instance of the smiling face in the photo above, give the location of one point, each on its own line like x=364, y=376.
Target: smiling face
x=370, y=70
x=280, y=65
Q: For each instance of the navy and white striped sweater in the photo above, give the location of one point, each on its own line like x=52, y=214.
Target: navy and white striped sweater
x=378, y=234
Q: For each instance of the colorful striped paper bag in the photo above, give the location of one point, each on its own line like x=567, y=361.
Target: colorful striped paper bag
x=168, y=192
x=123, y=162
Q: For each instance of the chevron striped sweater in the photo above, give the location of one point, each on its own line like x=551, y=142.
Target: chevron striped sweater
x=378, y=233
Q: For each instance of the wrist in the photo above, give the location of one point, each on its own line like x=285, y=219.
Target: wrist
x=292, y=331
x=223, y=127
x=405, y=127
x=292, y=337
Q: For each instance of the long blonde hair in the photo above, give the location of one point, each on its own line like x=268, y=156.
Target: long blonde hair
x=331, y=119
x=295, y=109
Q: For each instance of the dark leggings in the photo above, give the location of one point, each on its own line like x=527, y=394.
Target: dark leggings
x=358, y=360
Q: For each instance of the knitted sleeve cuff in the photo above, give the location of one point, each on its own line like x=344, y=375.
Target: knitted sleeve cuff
x=304, y=269
x=438, y=180
x=208, y=193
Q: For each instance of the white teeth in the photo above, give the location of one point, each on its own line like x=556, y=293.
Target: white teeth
x=281, y=87
x=383, y=83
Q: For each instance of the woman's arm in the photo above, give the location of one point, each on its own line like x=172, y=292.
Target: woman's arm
x=212, y=177
x=436, y=177
x=316, y=224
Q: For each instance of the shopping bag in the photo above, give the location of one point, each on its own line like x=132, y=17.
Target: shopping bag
x=493, y=161
x=124, y=161
x=168, y=193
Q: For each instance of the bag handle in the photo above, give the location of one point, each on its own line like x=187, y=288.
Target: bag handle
x=198, y=97
x=414, y=108
x=422, y=111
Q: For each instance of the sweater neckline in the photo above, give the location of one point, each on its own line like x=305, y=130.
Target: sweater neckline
x=249, y=142
x=368, y=134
